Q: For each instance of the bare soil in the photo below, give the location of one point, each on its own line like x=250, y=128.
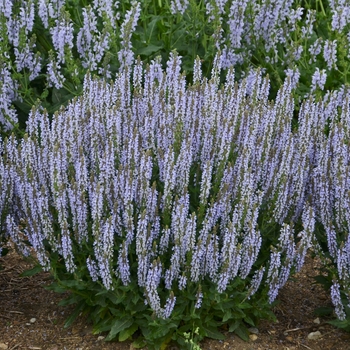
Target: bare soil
x=30, y=317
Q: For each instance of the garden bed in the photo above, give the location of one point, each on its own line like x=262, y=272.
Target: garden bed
x=30, y=317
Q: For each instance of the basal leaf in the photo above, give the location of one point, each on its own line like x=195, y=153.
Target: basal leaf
x=127, y=333
x=323, y=311
x=234, y=325
x=31, y=272
x=73, y=284
x=242, y=332
x=248, y=320
x=139, y=343
x=79, y=308
x=119, y=325
x=212, y=332
x=56, y=288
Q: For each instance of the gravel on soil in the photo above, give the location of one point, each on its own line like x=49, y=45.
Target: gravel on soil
x=30, y=317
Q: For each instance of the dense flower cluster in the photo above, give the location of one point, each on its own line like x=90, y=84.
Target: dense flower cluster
x=287, y=25
x=6, y=188
x=38, y=38
x=176, y=178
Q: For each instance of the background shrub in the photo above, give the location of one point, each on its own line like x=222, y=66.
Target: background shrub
x=49, y=45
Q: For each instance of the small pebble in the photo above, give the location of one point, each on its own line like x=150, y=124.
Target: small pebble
x=317, y=320
x=101, y=337
x=314, y=335
x=253, y=330
x=32, y=320
x=253, y=337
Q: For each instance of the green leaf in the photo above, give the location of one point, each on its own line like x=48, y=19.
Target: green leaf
x=79, y=308
x=56, y=288
x=114, y=298
x=227, y=316
x=31, y=272
x=245, y=306
x=162, y=330
x=323, y=311
x=72, y=299
x=148, y=50
x=127, y=333
x=234, y=325
x=242, y=332
x=152, y=28
x=345, y=324
x=322, y=280
x=73, y=284
x=212, y=332
x=248, y=320
x=139, y=343
x=139, y=307
x=120, y=325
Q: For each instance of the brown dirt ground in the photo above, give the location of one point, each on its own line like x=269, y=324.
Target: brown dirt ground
x=23, y=299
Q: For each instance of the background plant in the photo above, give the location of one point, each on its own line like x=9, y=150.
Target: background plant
x=6, y=188
x=49, y=45
x=332, y=198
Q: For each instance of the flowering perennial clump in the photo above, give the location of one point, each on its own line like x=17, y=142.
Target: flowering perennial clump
x=149, y=183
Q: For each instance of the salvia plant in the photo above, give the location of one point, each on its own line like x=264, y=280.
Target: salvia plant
x=6, y=191
x=330, y=189
x=168, y=210
x=48, y=46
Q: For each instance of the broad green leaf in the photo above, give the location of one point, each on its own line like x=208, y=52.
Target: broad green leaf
x=120, y=325
x=152, y=28
x=56, y=288
x=72, y=299
x=36, y=269
x=139, y=307
x=245, y=306
x=127, y=333
x=114, y=298
x=345, y=324
x=162, y=330
x=227, y=316
x=322, y=280
x=79, y=285
x=242, y=332
x=166, y=342
x=79, y=308
x=139, y=343
x=248, y=320
x=323, y=311
x=234, y=325
x=148, y=50
x=212, y=332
